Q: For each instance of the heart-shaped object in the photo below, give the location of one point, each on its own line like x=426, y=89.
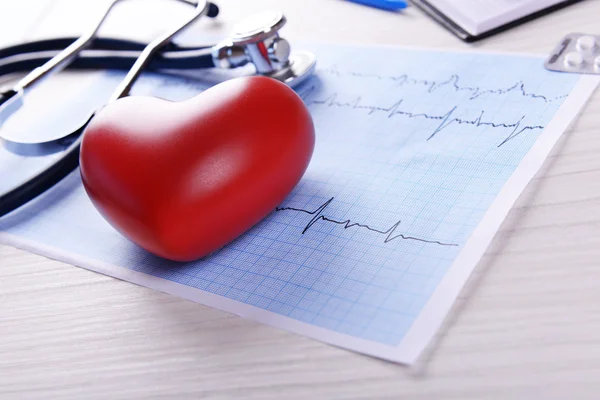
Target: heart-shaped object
x=182, y=179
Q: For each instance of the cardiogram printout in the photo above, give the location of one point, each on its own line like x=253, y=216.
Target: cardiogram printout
x=419, y=157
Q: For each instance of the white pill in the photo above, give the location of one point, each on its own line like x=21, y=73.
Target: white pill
x=586, y=43
x=597, y=63
x=573, y=59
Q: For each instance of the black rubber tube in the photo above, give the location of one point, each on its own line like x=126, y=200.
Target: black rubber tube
x=46, y=179
x=110, y=59
x=176, y=58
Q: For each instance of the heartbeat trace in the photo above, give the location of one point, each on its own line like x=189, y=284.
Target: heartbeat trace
x=453, y=81
x=390, y=233
x=445, y=119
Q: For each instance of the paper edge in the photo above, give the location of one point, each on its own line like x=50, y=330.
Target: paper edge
x=438, y=307
x=215, y=301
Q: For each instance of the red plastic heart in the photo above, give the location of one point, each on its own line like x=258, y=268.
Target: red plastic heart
x=182, y=179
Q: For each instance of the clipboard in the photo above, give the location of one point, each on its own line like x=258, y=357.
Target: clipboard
x=458, y=31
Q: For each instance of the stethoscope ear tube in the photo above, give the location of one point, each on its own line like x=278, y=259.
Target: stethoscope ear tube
x=58, y=44
x=69, y=161
x=67, y=55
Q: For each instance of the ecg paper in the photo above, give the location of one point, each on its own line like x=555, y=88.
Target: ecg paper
x=418, y=159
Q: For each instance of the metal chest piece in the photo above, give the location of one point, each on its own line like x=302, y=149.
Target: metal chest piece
x=256, y=40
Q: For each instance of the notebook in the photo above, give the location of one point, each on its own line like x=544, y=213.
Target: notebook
x=476, y=19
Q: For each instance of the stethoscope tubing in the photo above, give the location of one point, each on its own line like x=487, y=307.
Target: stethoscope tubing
x=61, y=43
x=100, y=43
x=69, y=160
x=105, y=53
x=46, y=178
x=188, y=59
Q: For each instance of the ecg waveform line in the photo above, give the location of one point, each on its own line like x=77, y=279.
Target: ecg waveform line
x=446, y=119
x=453, y=82
x=390, y=234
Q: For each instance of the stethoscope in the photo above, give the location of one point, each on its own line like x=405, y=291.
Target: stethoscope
x=255, y=41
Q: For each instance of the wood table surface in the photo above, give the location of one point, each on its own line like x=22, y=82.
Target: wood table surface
x=527, y=324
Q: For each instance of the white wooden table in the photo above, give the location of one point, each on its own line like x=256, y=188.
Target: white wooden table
x=526, y=326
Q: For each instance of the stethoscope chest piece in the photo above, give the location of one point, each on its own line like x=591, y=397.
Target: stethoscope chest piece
x=256, y=40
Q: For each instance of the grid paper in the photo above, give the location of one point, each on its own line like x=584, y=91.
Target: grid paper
x=412, y=149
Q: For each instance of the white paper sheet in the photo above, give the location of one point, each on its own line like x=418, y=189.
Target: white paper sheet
x=419, y=157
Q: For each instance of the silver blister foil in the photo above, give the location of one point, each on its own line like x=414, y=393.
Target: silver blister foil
x=577, y=53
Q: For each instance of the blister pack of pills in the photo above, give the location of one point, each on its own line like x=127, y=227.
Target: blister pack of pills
x=578, y=53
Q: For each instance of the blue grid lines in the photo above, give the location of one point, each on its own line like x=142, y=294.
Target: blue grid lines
x=384, y=208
